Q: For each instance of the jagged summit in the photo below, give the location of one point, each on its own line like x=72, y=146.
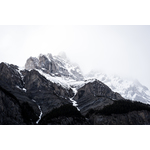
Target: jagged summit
x=59, y=66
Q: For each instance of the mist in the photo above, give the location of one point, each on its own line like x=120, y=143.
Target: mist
x=122, y=50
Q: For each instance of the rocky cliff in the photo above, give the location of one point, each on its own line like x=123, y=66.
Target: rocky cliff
x=52, y=90
x=55, y=66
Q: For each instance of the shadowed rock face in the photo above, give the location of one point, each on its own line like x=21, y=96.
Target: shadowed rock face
x=47, y=94
x=9, y=76
x=16, y=112
x=95, y=96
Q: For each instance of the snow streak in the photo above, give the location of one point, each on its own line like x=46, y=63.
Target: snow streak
x=40, y=116
x=73, y=101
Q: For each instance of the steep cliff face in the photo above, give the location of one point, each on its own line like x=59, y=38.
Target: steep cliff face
x=55, y=66
x=95, y=95
x=51, y=90
x=46, y=94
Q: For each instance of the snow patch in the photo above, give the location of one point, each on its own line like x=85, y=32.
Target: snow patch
x=23, y=89
x=40, y=116
x=19, y=71
x=55, y=79
x=33, y=100
x=72, y=99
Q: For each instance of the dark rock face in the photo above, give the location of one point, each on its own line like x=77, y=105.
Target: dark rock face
x=9, y=76
x=47, y=94
x=12, y=112
x=95, y=96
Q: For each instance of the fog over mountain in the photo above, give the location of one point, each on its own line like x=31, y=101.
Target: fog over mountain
x=122, y=50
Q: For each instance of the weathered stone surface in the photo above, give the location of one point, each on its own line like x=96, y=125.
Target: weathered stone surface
x=95, y=95
x=55, y=66
x=47, y=94
x=9, y=76
x=32, y=63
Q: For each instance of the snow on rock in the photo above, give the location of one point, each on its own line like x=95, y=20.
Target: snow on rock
x=65, y=82
x=72, y=99
x=128, y=88
x=33, y=100
x=19, y=71
x=58, y=65
x=23, y=89
x=58, y=69
x=40, y=116
x=79, y=84
x=58, y=80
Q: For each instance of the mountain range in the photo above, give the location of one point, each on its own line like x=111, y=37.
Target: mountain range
x=53, y=90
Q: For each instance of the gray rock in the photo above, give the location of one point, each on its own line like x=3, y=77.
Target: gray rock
x=55, y=66
x=95, y=95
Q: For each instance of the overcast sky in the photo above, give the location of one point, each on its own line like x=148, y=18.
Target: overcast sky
x=122, y=50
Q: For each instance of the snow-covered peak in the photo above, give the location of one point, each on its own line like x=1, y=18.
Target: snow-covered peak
x=128, y=88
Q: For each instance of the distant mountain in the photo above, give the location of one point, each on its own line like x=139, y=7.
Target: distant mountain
x=52, y=90
x=129, y=89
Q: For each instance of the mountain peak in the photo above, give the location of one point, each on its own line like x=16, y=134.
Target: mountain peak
x=60, y=66
x=55, y=66
x=127, y=87
x=62, y=54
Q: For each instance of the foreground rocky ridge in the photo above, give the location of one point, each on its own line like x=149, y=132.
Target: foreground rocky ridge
x=40, y=95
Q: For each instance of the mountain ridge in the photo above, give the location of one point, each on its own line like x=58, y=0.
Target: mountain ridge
x=51, y=90
x=128, y=88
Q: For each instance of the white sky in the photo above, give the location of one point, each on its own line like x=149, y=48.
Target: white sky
x=116, y=49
